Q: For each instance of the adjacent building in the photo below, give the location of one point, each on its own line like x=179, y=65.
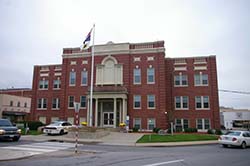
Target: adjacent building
x=133, y=83
x=14, y=108
x=232, y=118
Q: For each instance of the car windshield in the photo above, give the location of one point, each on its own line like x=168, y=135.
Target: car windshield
x=4, y=122
x=233, y=133
x=56, y=123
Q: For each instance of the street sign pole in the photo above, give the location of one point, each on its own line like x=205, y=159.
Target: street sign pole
x=77, y=107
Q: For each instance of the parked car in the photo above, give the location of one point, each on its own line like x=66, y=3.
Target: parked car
x=235, y=138
x=57, y=127
x=8, y=131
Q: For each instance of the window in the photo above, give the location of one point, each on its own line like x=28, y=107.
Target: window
x=57, y=84
x=18, y=104
x=151, y=75
x=201, y=79
x=181, y=124
x=137, y=123
x=55, y=103
x=137, y=101
x=43, y=84
x=25, y=104
x=181, y=102
x=180, y=80
x=151, y=101
x=137, y=76
x=11, y=103
x=42, y=103
x=72, y=78
x=203, y=124
x=202, y=102
x=151, y=123
x=71, y=101
x=83, y=101
x=84, y=78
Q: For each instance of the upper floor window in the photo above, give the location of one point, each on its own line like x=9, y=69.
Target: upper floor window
x=71, y=101
x=181, y=102
x=200, y=79
x=180, y=80
x=18, y=104
x=57, y=84
x=151, y=75
x=43, y=84
x=11, y=103
x=151, y=101
x=55, y=103
x=202, y=102
x=137, y=76
x=137, y=101
x=42, y=103
x=25, y=104
x=84, y=78
x=83, y=101
x=72, y=78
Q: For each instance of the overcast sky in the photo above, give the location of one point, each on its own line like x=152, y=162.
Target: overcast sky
x=34, y=32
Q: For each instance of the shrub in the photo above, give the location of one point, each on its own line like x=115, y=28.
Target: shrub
x=190, y=130
x=156, y=130
x=135, y=129
x=33, y=125
x=218, y=132
x=210, y=131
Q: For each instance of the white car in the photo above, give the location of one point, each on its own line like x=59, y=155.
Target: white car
x=235, y=138
x=57, y=127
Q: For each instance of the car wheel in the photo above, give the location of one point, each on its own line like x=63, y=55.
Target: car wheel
x=224, y=145
x=61, y=132
x=243, y=145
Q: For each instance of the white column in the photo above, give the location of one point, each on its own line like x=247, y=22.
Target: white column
x=124, y=110
x=115, y=112
x=88, y=113
x=101, y=123
x=120, y=112
x=96, y=112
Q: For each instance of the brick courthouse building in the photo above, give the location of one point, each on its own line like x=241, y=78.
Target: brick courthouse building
x=132, y=81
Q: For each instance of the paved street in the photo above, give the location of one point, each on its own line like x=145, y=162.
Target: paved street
x=102, y=155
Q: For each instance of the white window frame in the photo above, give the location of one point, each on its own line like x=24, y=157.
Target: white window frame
x=57, y=104
x=85, y=102
x=182, y=123
x=72, y=74
x=82, y=75
x=57, y=82
x=134, y=72
x=136, y=101
x=43, y=101
x=202, y=103
x=69, y=102
x=148, y=96
x=201, y=79
x=148, y=72
x=180, y=76
x=203, y=124
x=148, y=123
x=139, y=119
x=181, y=102
x=43, y=83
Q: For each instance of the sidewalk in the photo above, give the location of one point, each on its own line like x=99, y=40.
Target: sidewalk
x=114, y=138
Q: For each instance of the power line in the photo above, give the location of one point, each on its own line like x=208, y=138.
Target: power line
x=235, y=91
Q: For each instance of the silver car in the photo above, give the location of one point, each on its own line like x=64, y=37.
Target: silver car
x=235, y=138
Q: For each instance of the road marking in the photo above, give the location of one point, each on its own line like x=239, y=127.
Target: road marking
x=40, y=148
x=167, y=162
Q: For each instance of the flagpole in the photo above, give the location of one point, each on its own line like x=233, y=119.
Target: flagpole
x=92, y=79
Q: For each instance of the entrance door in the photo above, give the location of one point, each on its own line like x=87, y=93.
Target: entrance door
x=108, y=119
